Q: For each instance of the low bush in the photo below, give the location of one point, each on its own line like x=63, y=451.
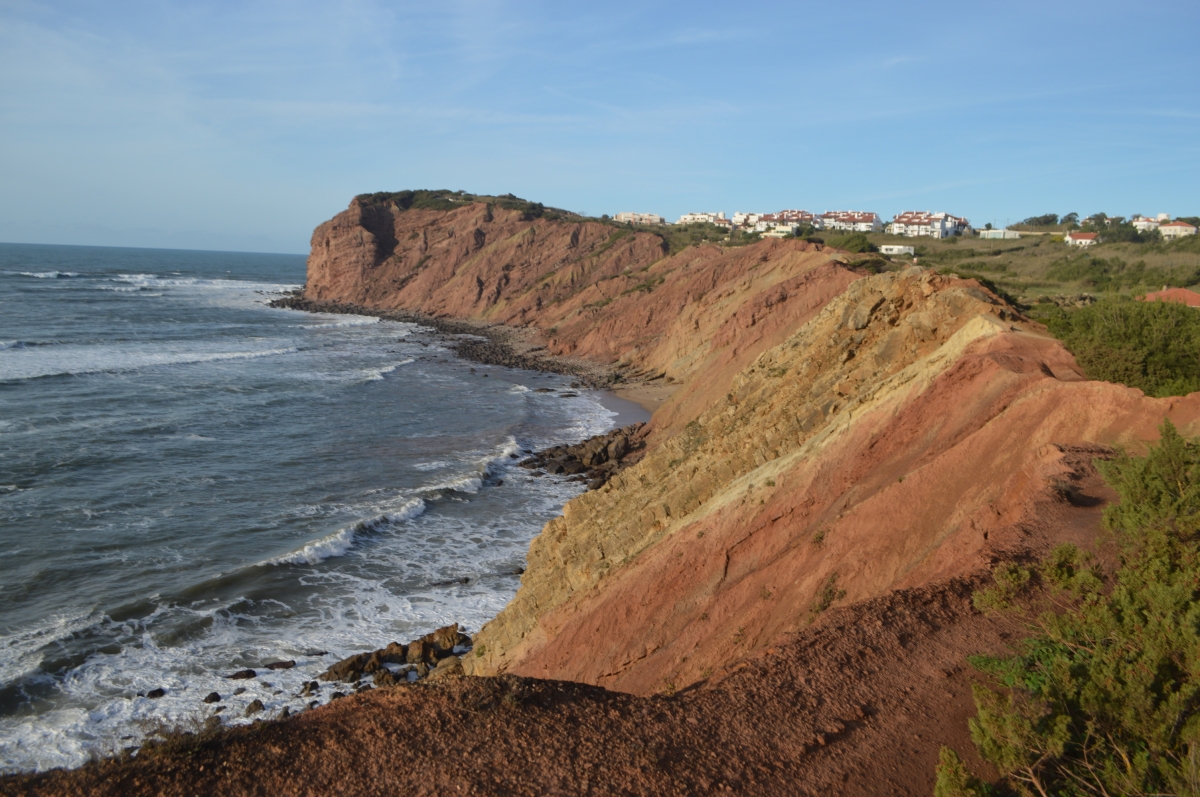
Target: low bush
x=1102, y=698
x=853, y=242
x=1153, y=346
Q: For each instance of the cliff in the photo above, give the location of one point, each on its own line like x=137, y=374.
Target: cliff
x=836, y=436
x=906, y=435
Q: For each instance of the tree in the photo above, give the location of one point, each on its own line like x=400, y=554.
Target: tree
x=1045, y=220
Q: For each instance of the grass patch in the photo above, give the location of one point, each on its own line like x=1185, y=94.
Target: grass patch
x=828, y=594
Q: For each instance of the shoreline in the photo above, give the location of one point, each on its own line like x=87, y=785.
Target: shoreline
x=511, y=347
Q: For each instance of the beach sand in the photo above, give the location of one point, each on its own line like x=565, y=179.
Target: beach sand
x=648, y=395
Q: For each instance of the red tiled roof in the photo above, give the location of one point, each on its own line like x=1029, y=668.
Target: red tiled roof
x=1176, y=295
x=1082, y=236
x=1178, y=224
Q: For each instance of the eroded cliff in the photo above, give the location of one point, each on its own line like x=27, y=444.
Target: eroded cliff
x=910, y=433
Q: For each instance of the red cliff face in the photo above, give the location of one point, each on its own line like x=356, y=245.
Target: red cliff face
x=594, y=291
x=913, y=432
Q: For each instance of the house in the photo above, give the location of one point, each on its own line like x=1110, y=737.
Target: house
x=1144, y=224
x=1081, y=238
x=1176, y=295
x=783, y=229
x=998, y=235
x=912, y=223
x=896, y=249
x=638, y=218
x=704, y=218
x=850, y=221
x=1176, y=229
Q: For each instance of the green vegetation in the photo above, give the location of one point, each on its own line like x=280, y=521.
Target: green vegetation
x=828, y=594
x=856, y=242
x=1114, y=274
x=1103, y=697
x=678, y=237
x=1042, y=265
x=423, y=199
x=1153, y=346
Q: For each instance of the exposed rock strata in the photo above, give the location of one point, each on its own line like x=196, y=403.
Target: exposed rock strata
x=901, y=438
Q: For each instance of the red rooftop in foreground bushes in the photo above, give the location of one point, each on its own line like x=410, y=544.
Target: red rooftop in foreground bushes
x=1177, y=295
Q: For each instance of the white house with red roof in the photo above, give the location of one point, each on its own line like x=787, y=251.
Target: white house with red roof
x=1176, y=229
x=913, y=223
x=1081, y=238
x=1147, y=224
x=850, y=221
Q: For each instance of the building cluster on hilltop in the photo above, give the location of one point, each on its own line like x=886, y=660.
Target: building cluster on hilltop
x=909, y=224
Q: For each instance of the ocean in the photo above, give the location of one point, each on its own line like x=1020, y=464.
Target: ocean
x=192, y=483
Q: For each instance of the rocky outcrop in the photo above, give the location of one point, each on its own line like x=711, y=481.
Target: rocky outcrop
x=595, y=460
x=431, y=650
x=908, y=434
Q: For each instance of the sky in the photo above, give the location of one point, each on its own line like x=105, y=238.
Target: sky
x=242, y=125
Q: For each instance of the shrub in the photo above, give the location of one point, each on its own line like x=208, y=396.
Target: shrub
x=1102, y=698
x=854, y=242
x=1153, y=346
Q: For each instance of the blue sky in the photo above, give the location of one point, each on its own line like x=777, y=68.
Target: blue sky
x=242, y=125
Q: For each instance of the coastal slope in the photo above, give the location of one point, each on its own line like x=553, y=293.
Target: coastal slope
x=912, y=433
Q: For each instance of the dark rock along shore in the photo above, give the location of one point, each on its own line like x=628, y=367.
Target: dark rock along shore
x=482, y=343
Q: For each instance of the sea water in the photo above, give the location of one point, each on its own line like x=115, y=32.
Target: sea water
x=192, y=483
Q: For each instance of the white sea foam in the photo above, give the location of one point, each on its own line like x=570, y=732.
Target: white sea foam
x=44, y=275
x=348, y=321
x=377, y=374
x=342, y=540
x=21, y=363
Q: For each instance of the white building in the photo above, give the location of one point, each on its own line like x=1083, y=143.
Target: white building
x=913, y=223
x=998, y=235
x=785, y=229
x=741, y=219
x=639, y=218
x=850, y=221
x=703, y=218
x=1081, y=238
x=896, y=249
x=1146, y=224
x=1176, y=229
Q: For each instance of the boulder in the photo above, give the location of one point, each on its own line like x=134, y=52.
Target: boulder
x=349, y=669
x=255, y=706
x=155, y=694
x=281, y=665
x=212, y=697
x=242, y=675
x=451, y=665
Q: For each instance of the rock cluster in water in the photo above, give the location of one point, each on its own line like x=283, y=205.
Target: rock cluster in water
x=434, y=655
x=595, y=460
